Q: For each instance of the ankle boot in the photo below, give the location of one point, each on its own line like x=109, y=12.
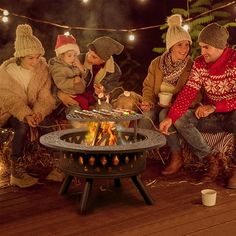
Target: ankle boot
x=19, y=177
x=56, y=174
x=232, y=179
x=213, y=169
x=176, y=163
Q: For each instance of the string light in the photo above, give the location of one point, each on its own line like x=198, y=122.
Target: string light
x=186, y=27
x=5, y=16
x=131, y=37
x=143, y=1
x=5, y=13
x=67, y=33
x=5, y=19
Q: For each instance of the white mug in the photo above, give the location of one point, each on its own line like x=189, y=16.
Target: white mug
x=208, y=197
x=165, y=98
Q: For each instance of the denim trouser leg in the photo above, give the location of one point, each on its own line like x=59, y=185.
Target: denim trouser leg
x=145, y=122
x=220, y=122
x=47, y=124
x=20, y=136
x=172, y=139
x=186, y=126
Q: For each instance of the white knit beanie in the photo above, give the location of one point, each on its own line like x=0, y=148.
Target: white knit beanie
x=175, y=32
x=26, y=43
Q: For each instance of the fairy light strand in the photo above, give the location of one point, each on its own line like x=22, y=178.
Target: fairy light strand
x=109, y=29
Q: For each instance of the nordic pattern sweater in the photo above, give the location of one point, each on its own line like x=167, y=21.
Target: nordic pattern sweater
x=217, y=80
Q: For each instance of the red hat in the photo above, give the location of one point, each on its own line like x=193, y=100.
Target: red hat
x=65, y=43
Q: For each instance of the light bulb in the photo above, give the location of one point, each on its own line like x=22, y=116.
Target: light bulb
x=5, y=19
x=186, y=27
x=5, y=12
x=131, y=37
x=67, y=33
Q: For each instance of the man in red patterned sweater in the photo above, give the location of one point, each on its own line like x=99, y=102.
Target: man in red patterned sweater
x=214, y=73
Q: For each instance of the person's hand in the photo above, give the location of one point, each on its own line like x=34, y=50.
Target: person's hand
x=98, y=88
x=38, y=117
x=146, y=106
x=77, y=80
x=165, y=125
x=78, y=64
x=31, y=120
x=66, y=98
x=204, y=111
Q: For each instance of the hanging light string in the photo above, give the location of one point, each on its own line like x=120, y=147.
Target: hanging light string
x=207, y=12
x=111, y=29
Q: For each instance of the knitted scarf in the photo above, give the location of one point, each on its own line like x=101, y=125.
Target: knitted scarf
x=171, y=70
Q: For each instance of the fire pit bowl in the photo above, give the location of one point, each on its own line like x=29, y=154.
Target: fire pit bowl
x=128, y=159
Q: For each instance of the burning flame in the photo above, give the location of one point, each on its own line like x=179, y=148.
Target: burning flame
x=102, y=134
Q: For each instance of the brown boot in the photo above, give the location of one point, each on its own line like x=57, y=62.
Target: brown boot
x=213, y=169
x=19, y=177
x=176, y=163
x=56, y=174
x=232, y=179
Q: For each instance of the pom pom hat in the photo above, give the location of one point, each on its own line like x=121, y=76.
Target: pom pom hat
x=66, y=43
x=214, y=35
x=175, y=32
x=26, y=43
x=105, y=47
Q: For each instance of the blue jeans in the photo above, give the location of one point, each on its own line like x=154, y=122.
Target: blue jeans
x=20, y=134
x=172, y=139
x=190, y=127
x=145, y=122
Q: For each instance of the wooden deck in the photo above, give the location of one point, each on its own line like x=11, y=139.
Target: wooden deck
x=120, y=211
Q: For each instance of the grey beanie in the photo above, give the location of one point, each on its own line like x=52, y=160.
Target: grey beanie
x=214, y=35
x=105, y=47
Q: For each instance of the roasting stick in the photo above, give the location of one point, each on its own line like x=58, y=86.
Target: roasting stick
x=173, y=132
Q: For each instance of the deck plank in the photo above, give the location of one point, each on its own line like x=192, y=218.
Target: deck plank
x=120, y=211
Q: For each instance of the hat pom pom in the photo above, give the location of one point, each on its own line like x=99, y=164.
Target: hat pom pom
x=174, y=20
x=23, y=30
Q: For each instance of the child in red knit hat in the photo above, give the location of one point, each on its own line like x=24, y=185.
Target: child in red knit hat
x=68, y=73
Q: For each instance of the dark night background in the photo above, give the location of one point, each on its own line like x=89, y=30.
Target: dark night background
x=115, y=14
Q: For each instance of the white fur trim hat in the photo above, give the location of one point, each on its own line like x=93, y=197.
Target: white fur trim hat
x=176, y=32
x=26, y=43
x=66, y=43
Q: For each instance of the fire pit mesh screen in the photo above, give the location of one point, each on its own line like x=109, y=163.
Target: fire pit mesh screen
x=104, y=115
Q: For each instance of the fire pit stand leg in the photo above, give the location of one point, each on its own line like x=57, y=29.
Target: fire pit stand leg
x=82, y=204
x=117, y=183
x=138, y=183
x=65, y=185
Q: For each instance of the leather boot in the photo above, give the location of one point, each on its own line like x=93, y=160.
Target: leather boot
x=232, y=179
x=213, y=169
x=56, y=174
x=19, y=177
x=176, y=163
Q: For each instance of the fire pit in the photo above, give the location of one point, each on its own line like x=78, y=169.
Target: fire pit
x=126, y=158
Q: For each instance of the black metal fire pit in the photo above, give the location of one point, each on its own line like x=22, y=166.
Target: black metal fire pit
x=128, y=159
